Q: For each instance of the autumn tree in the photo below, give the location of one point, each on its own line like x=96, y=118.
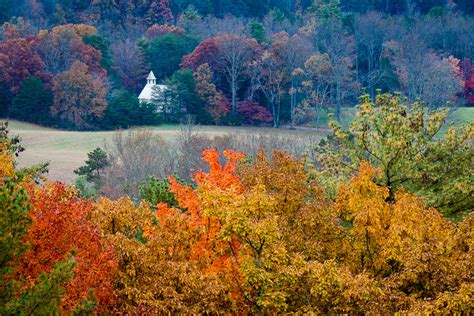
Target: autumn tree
x=79, y=97
x=18, y=61
x=403, y=247
x=217, y=104
x=53, y=257
x=158, y=272
x=157, y=30
x=71, y=232
x=39, y=294
x=253, y=113
x=248, y=226
x=204, y=53
x=61, y=47
x=318, y=76
x=405, y=142
x=159, y=12
x=20, y=293
x=416, y=67
x=128, y=64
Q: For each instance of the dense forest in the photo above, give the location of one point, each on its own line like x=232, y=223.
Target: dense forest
x=80, y=64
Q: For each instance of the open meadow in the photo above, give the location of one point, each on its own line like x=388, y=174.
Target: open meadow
x=67, y=150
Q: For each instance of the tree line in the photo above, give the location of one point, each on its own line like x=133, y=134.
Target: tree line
x=80, y=65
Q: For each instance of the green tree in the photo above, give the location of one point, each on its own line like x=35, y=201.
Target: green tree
x=97, y=161
x=407, y=145
x=125, y=110
x=33, y=102
x=326, y=9
x=164, y=53
x=183, y=86
x=257, y=31
x=5, y=10
x=156, y=191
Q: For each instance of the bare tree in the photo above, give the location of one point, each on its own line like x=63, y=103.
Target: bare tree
x=236, y=56
x=129, y=64
x=134, y=156
x=211, y=26
x=331, y=38
x=293, y=51
x=423, y=74
x=270, y=81
x=369, y=35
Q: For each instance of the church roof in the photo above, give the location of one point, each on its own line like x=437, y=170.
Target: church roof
x=151, y=76
x=147, y=93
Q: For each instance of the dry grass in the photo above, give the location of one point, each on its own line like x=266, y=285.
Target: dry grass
x=66, y=150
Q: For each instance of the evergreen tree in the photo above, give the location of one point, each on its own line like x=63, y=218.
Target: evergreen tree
x=97, y=161
x=33, y=102
x=164, y=53
x=257, y=31
x=184, y=87
x=125, y=110
x=5, y=10
x=156, y=191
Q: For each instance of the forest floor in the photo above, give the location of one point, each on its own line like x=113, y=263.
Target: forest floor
x=67, y=150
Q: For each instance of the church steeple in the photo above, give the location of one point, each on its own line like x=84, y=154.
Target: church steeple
x=151, y=78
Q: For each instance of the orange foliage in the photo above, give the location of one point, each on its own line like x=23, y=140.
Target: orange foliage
x=60, y=226
x=208, y=247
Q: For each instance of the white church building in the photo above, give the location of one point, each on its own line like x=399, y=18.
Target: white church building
x=152, y=91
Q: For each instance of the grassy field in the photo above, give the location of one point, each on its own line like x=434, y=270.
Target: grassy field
x=66, y=150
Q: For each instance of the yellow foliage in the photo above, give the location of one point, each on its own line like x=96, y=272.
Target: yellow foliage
x=158, y=273
x=413, y=253
x=7, y=167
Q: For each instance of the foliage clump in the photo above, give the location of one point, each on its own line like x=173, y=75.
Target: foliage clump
x=407, y=143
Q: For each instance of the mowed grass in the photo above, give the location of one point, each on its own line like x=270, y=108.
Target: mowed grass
x=67, y=150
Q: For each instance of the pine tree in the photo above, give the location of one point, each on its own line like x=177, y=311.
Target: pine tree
x=94, y=165
x=33, y=102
